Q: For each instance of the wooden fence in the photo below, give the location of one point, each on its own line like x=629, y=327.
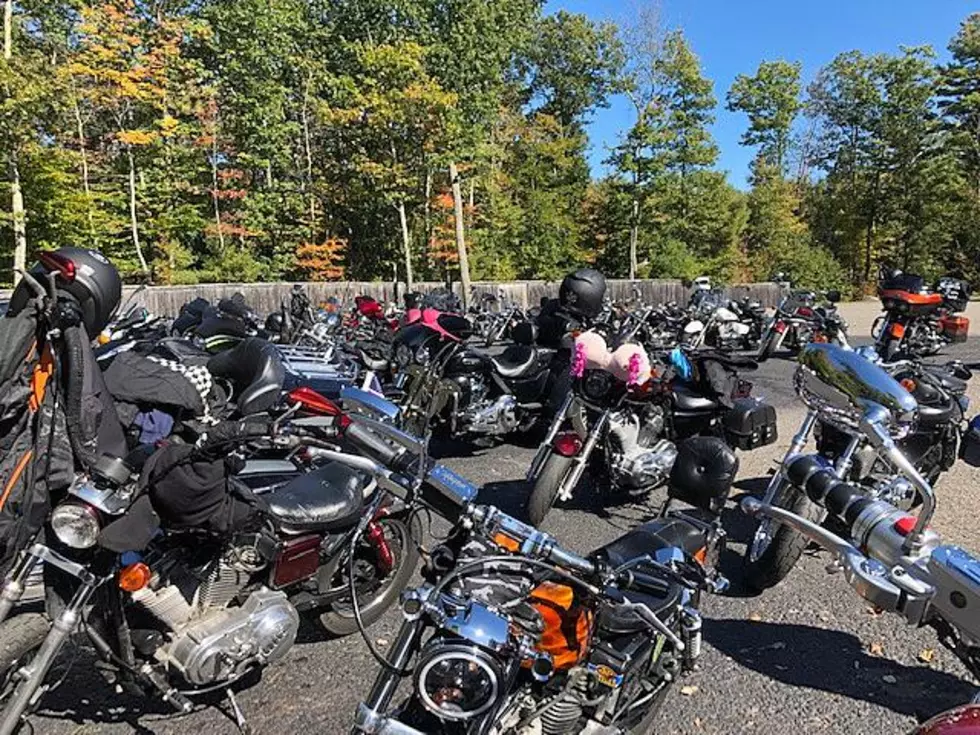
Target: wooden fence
x=266, y=297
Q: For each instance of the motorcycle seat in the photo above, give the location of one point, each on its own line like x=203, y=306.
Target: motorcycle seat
x=329, y=498
x=516, y=361
x=257, y=372
x=688, y=400
x=936, y=414
x=947, y=380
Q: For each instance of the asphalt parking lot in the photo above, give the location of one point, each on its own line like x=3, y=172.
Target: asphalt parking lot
x=807, y=656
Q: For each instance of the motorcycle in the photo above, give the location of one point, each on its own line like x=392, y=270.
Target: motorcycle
x=715, y=321
x=450, y=386
x=800, y=319
x=635, y=418
x=497, y=319
x=931, y=448
x=893, y=560
x=919, y=322
x=510, y=633
x=217, y=590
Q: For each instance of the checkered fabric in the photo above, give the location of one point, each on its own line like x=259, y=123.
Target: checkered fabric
x=198, y=376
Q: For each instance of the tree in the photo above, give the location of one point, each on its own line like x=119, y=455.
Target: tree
x=771, y=99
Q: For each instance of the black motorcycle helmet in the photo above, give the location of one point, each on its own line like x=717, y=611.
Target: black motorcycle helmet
x=274, y=323
x=582, y=292
x=84, y=277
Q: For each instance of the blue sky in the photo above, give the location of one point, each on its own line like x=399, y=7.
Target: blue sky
x=733, y=36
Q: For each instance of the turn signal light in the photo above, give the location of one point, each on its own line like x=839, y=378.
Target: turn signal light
x=908, y=384
x=897, y=331
x=134, y=577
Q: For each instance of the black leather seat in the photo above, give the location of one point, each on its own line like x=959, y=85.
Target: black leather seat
x=327, y=499
x=687, y=400
x=257, y=372
x=946, y=379
x=936, y=414
x=516, y=361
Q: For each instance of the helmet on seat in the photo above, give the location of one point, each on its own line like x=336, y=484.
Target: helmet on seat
x=84, y=277
x=582, y=292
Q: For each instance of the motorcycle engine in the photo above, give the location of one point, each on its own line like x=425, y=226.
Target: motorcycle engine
x=210, y=639
x=639, y=457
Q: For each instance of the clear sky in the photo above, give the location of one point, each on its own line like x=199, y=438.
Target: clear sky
x=733, y=36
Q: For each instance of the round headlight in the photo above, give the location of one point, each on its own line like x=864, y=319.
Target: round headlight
x=76, y=525
x=597, y=384
x=403, y=356
x=457, y=682
x=422, y=355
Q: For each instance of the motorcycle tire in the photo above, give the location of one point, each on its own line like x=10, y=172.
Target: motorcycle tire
x=786, y=547
x=768, y=346
x=545, y=490
x=341, y=622
x=892, y=348
x=646, y=724
x=20, y=637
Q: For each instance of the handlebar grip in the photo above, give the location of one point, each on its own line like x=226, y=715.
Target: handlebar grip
x=372, y=445
x=824, y=488
x=229, y=432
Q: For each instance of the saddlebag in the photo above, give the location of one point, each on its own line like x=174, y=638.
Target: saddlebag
x=750, y=423
x=956, y=328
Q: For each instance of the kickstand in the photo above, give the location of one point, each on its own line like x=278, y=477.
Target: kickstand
x=240, y=720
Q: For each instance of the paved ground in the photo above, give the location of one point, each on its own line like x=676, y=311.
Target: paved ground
x=807, y=656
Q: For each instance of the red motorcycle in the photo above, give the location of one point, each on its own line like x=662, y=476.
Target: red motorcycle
x=919, y=321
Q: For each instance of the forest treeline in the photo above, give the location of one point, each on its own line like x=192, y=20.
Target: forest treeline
x=208, y=140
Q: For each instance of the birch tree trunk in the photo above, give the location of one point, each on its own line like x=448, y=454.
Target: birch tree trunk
x=133, y=222
x=214, y=190
x=309, y=160
x=19, y=220
x=464, y=263
x=407, y=244
x=83, y=152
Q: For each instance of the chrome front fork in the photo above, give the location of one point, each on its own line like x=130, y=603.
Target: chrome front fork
x=800, y=439
x=545, y=447
x=31, y=677
x=578, y=467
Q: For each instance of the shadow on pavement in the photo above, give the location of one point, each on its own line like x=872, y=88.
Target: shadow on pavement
x=836, y=662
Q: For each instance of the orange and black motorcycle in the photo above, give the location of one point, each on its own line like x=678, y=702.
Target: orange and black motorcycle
x=919, y=321
x=512, y=634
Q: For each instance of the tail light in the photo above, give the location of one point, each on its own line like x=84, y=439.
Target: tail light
x=317, y=404
x=897, y=330
x=568, y=444
x=59, y=263
x=908, y=384
x=779, y=327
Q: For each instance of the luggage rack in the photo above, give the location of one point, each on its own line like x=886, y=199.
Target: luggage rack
x=327, y=363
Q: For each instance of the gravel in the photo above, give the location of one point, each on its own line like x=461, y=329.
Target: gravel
x=808, y=655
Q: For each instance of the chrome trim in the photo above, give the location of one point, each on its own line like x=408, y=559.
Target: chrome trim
x=371, y=402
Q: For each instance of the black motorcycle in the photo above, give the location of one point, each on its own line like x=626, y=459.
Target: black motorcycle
x=511, y=633
x=802, y=317
x=637, y=428
x=451, y=387
x=932, y=448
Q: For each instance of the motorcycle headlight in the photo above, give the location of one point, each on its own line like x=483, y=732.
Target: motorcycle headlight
x=76, y=525
x=457, y=682
x=596, y=384
x=403, y=356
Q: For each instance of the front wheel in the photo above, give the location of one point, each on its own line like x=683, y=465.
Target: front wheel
x=775, y=548
x=20, y=638
x=545, y=491
x=375, y=592
x=768, y=345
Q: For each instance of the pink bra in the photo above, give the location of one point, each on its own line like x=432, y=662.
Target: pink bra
x=628, y=362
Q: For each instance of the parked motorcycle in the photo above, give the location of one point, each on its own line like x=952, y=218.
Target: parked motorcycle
x=716, y=321
x=919, y=321
x=452, y=387
x=893, y=560
x=635, y=418
x=801, y=318
x=511, y=633
x=931, y=448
